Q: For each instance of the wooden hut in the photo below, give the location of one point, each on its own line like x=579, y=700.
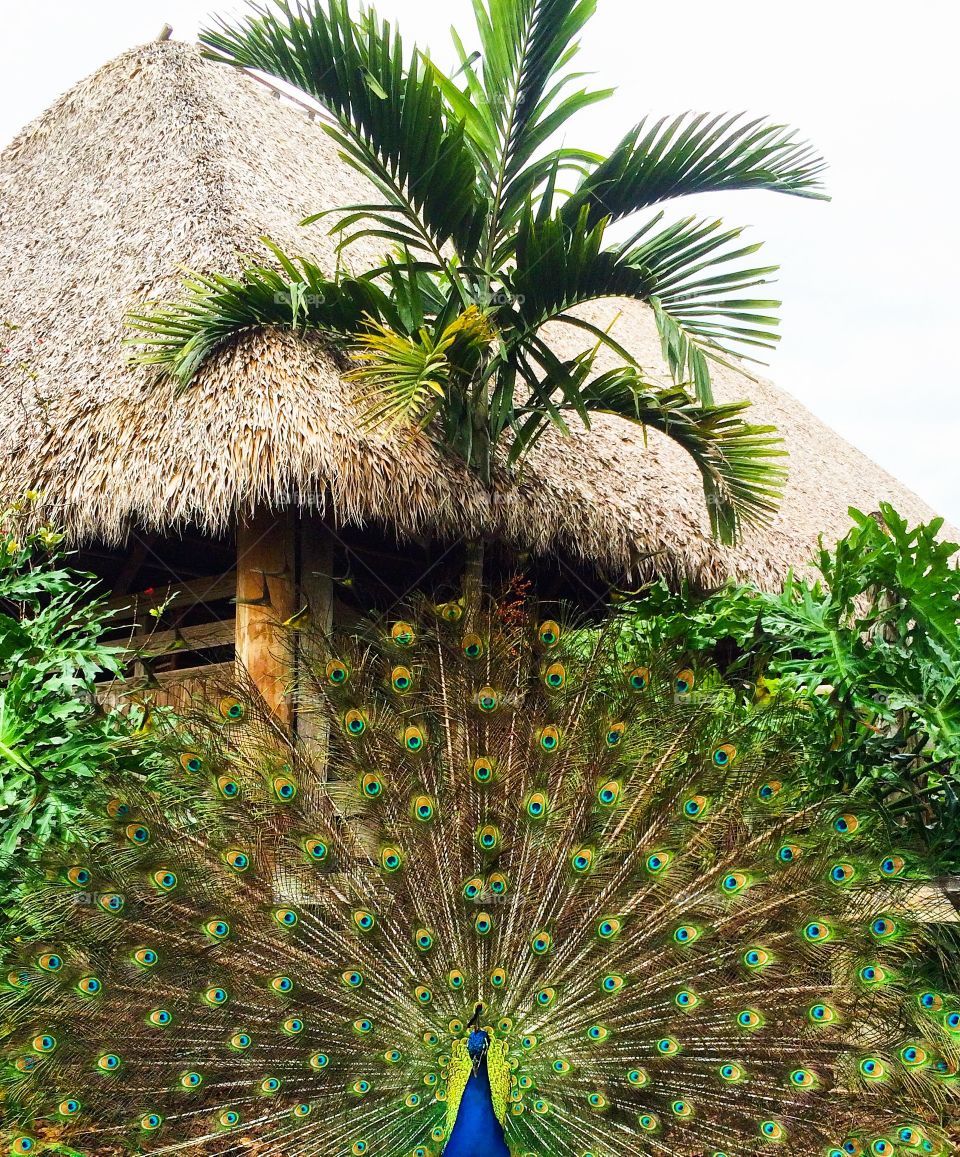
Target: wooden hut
x=255, y=493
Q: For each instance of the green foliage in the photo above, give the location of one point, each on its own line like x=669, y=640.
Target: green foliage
x=872, y=646
x=696, y=153
x=216, y=307
x=479, y=208
x=55, y=742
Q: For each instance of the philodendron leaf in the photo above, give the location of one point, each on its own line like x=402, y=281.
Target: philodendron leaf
x=13, y=639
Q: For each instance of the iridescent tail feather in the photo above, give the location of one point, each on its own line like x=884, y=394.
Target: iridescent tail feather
x=278, y=943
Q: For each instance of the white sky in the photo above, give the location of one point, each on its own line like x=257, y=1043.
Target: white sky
x=867, y=280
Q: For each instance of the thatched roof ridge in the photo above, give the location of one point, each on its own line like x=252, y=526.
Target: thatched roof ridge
x=162, y=161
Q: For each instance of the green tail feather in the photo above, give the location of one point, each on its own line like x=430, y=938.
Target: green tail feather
x=275, y=945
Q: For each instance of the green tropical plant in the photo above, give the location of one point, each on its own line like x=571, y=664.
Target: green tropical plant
x=56, y=743
x=872, y=646
x=480, y=211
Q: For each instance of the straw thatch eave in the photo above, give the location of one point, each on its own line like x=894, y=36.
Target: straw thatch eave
x=162, y=161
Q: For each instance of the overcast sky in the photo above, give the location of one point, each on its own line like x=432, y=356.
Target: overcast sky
x=867, y=280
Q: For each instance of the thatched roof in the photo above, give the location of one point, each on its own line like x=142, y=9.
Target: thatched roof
x=162, y=161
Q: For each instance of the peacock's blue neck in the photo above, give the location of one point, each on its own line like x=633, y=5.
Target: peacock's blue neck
x=476, y=1131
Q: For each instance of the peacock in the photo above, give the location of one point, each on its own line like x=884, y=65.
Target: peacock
x=522, y=893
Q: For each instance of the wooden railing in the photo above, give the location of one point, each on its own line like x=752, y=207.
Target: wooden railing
x=194, y=639
x=171, y=664
x=169, y=688
x=190, y=592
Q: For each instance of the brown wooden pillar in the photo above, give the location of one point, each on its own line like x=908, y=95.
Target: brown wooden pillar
x=316, y=593
x=266, y=596
x=316, y=571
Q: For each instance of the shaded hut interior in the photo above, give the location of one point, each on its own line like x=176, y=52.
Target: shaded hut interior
x=190, y=605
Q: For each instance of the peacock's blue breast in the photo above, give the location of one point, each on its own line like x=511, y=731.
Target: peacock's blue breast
x=477, y=1132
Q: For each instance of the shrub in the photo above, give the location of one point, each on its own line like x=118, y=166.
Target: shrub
x=872, y=644
x=55, y=741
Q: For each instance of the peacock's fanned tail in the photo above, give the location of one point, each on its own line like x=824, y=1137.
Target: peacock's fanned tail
x=276, y=948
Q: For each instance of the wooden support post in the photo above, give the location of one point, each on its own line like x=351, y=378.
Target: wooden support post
x=316, y=593
x=266, y=596
x=316, y=571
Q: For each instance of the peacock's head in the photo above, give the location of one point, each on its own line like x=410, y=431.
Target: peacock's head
x=477, y=1044
x=478, y=1041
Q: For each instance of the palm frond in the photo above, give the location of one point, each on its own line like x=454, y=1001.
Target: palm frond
x=471, y=106
x=179, y=337
x=526, y=46
x=696, y=278
x=558, y=267
x=524, y=43
x=391, y=120
x=418, y=290
x=468, y=104
x=697, y=153
x=402, y=374
x=544, y=182
x=743, y=479
x=690, y=272
x=406, y=377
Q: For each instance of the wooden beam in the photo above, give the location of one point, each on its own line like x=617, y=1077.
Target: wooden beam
x=186, y=593
x=197, y=637
x=266, y=596
x=167, y=688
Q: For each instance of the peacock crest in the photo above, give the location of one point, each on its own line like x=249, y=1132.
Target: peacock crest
x=524, y=894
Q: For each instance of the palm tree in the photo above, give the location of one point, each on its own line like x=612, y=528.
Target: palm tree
x=493, y=232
